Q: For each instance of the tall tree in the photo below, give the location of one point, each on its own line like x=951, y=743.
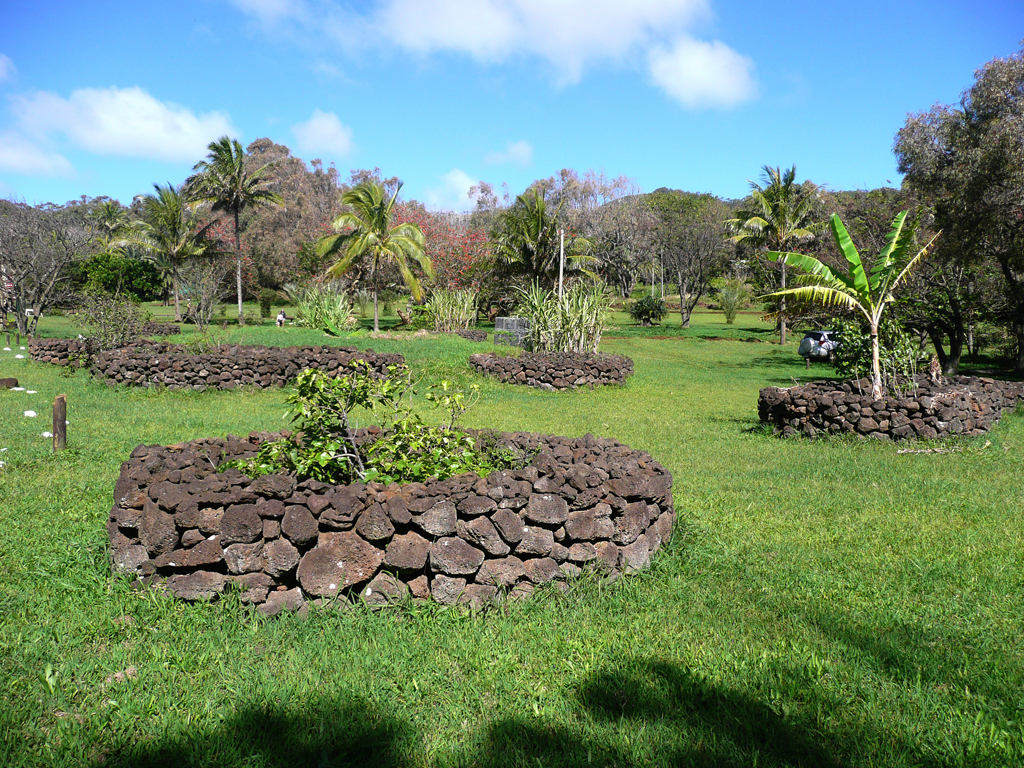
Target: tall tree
x=224, y=180
x=970, y=160
x=365, y=232
x=867, y=290
x=38, y=245
x=527, y=243
x=689, y=241
x=173, y=234
x=779, y=217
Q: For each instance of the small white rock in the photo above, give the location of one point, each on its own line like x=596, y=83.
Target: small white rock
x=47, y=434
x=31, y=392
x=30, y=414
x=19, y=357
x=17, y=389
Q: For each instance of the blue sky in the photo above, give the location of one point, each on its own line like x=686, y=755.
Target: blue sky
x=107, y=98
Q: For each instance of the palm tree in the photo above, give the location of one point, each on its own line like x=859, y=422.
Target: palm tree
x=169, y=234
x=527, y=244
x=779, y=218
x=222, y=179
x=365, y=232
x=866, y=292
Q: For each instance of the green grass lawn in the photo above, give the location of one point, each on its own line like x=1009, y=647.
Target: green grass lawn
x=822, y=603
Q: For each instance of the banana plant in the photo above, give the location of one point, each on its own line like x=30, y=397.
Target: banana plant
x=867, y=292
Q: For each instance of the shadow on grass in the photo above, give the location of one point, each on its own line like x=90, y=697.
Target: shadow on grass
x=324, y=733
x=652, y=713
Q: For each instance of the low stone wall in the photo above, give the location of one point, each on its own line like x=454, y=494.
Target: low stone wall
x=555, y=370
x=160, y=329
x=174, y=367
x=472, y=335
x=959, y=406
x=178, y=522
x=79, y=353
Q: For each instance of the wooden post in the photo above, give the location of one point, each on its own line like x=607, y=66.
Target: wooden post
x=8, y=339
x=17, y=336
x=60, y=423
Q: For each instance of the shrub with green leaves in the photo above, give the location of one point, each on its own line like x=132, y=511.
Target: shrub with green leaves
x=267, y=297
x=899, y=353
x=328, y=447
x=324, y=306
x=732, y=295
x=648, y=310
x=572, y=323
x=113, y=321
x=452, y=310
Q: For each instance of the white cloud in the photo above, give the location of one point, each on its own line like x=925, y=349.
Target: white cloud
x=453, y=194
x=19, y=155
x=125, y=122
x=271, y=11
x=570, y=34
x=323, y=133
x=516, y=153
x=699, y=74
x=6, y=68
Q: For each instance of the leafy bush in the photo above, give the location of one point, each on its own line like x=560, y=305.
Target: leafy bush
x=573, y=323
x=327, y=447
x=733, y=294
x=452, y=310
x=324, y=306
x=648, y=310
x=267, y=297
x=113, y=322
x=899, y=353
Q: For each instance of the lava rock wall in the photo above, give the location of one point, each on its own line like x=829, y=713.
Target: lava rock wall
x=78, y=353
x=959, y=406
x=173, y=366
x=555, y=370
x=179, y=522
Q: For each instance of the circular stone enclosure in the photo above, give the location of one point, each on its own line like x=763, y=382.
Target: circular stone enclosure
x=555, y=370
x=148, y=364
x=585, y=502
x=961, y=405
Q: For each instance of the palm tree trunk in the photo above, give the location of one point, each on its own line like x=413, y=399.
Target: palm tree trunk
x=782, y=309
x=177, y=300
x=373, y=282
x=238, y=270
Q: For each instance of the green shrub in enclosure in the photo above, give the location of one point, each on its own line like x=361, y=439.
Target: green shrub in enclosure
x=572, y=323
x=452, y=310
x=732, y=295
x=113, y=321
x=327, y=447
x=648, y=310
x=324, y=306
x=899, y=354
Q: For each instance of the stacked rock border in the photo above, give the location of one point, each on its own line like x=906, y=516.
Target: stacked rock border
x=149, y=364
x=160, y=329
x=555, y=370
x=961, y=405
x=180, y=523
x=78, y=353
x=472, y=335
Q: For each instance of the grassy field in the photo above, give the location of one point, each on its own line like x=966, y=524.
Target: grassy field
x=822, y=603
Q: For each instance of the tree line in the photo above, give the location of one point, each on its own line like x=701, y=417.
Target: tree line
x=265, y=215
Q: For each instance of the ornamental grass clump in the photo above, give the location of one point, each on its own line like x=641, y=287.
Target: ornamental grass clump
x=330, y=448
x=452, y=310
x=324, y=306
x=573, y=322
